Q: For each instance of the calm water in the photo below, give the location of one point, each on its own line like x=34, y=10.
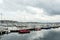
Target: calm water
x=37, y=35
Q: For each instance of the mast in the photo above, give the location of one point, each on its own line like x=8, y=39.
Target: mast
x=1, y=19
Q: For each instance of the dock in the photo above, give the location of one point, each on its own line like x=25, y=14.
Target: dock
x=3, y=30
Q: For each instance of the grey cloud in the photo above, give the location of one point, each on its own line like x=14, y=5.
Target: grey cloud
x=52, y=7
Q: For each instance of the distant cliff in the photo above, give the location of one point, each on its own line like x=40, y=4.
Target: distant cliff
x=8, y=21
x=11, y=21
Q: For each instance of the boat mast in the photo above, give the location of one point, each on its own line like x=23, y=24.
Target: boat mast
x=1, y=19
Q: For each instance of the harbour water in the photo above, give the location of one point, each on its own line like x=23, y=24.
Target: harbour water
x=53, y=34
x=15, y=36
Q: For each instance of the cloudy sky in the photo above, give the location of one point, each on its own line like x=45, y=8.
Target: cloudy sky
x=30, y=10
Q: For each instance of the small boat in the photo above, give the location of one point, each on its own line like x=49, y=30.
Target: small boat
x=24, y=31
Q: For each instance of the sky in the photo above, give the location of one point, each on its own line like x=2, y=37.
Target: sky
x=30, y=10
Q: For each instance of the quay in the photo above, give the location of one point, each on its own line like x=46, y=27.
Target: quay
x=3, y=30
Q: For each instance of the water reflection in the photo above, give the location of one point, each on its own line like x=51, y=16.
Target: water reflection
x=31, y=36
x=34, y=35
x=0, y=36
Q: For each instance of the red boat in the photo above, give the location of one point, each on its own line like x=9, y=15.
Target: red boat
x=24, y=31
